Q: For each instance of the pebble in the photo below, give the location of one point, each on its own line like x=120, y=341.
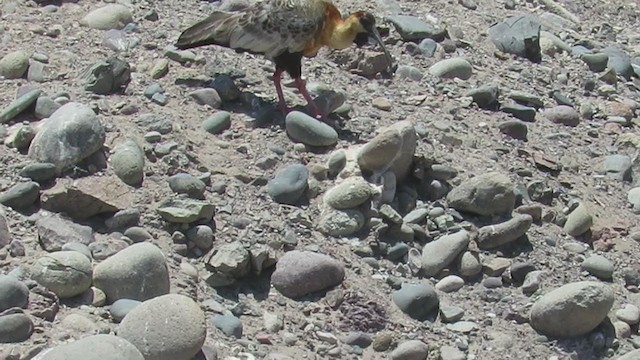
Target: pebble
x=127, y=162
x=428, y=47
x=451, y=314
x=339, y=223
x=20, y=104
x=55, y=231
x=462, y=326
x=228, y=324
x=167, y=327
x=418, y=301
x=45, y=107
x=13, y=293
x=123, y=219
x=120, y=308
x=492, y=236
x=66, y=273
x=138, y=272
x=438, y=254
x=572, y=310
x=450, y=283
x=188, y=184
x=598, y=266
x=392, y=149
x=629, y=313
x=159, y=69
x=521, y=112
x=69, y=136
x=14, y=65
x=452, y=68
x=578, y=221
x=94, y=347
x=288, y=184
x=358, y=338
x=78, y=247
x=409, y=73
x=309, y=131
x=111, y=16
x=217, y=123
x=350, y=193
x=336, y=163
x=516, y=129
x=410, y=350
x=486, y=194
x=208, y=96
x=451, y=353
x=299, y=273
x=184, y=211
x=563, y=114
x=469, y=265
x=202, y=236
x=21, y=195
x=519, y=270
x=137, y=234
x=15, y=328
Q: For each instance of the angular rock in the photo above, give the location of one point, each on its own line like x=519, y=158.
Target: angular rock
x=487, y=194
x=299, y=273
x=410, y=350
x=519, y=35
x=94, y=347
x=168, y=327
x=572, y=310
x=184, y=211
x=227, y=263
x=492, y=236
x=138, y=272
x=69, y=136
x=66, y=273
x=55, y=231
x=339, y=223
x=419, y=301
x=438, y=254
x=108, y=76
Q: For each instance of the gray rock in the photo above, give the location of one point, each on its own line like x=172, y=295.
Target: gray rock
x=15, y=328
x=184, y=211
x=309, y=131
x=111, y=16
x=519, y=35
x=462, y=326
x=66, y=273
x=217, y=123
x=486, y=96
x=619, y=60
x=450, y=283
x=108, y=76
x=20, y=137
x=159, y=69
x=168, y=327
x=578, y=221
x=409, y=73
x=13, y=293
x=452, y=68
x=410, y=350
x=289, y=184
x=428, y=47
x=187, y=184
x=563, y=114
x=618, y=167
x=487, y=194
x=21, y=195
x=416, y=216
x=629, y=314
x=572, y=310
x=413, y=28
x=419, y=301
x=201, y=236
x=451, y=353
x=55, y=231
x=45, y=107
x=392, y=149
x=138, y=272
x=123, y=219
x=94, y=347
x=532, y=281
x=226, y=87
x=350, y=193
x=207, y=97
x=521, y=112
x=71, y=134
x=5, y=234
x=469, y=264
x=598, y=266
x=515, y=129
x=14, y=65
x=120, y=308
x=492, y=236
x=138, y=234
x=340, y=223
x=39, y=172
x=631, y=355
x=228, y=324
x=228, y=263
x=451, y=314
x=299, y=273
x=596, y=62
x=438, y=254
x=20, y=104
x=78, y=247
x=336, y=163
x=519, y=271
x=127, y=162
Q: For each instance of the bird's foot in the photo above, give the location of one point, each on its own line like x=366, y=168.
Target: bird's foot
x=317, y=113
x=284, y=109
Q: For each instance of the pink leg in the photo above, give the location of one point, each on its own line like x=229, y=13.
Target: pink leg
x=277, y=81
x=302, y=87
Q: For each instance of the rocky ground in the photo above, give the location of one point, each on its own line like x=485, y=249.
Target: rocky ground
x=479, y=203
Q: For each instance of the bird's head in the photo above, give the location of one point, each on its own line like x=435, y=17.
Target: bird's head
x=365, y=24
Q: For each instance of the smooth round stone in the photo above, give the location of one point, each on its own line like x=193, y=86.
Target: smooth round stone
x=338, y=223
x=572, y=310
x=578, y=221
x=95, y=347
x=13, y=293
x=40, y=172
x=350, y=193
x=452, y=68
x=137, y=234
x=202, y=236
x=21, y=195
x=66, y=273
x=228, y=324
x=629, y=314
x=78, y=247
x=289, y=184
x=450, y=283
x=120, y=308
x=299, y=273
x=410, y=350
x=486, y=194
x=516, y=129
x=563, y=114
x=111, y=16
x=14, y=65
x=167, y=327
x=598, y=266
x=127, y=162
x=309, y=131
x=15, y=328
x=187, y=184
x=337, y=161
x=217, y=123
x=207, y=96
x=469, y=265
x=409, y=73
x=419, y=301
x=632, y=355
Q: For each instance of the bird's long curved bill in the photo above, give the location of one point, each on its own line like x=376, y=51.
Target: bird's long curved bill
x=376, y=36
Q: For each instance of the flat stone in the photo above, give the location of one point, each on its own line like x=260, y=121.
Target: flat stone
x=19, y=105
x=521, y=112
x=55, y=231
x=208, y=96
x=413, y=28
x=184, y=211
x=340, y=223
x=519, y=35
x=111, y=16
x=563, y=114
x=451, y=314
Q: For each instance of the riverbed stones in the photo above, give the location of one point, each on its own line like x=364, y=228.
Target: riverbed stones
x=299, y=273
x=66, y=273
x=487, y=194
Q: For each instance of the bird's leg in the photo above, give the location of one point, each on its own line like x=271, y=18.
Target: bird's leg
x=302, y=87
x=277, y=82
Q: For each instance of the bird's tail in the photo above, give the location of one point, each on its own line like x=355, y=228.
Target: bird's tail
x=214, y=30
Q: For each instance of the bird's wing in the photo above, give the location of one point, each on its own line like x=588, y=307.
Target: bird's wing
x=268, y=27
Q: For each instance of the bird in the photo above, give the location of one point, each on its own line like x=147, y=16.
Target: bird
x=285, y=31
